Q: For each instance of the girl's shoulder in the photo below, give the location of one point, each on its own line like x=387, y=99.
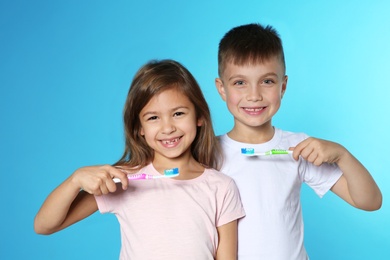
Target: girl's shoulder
x=217, y=176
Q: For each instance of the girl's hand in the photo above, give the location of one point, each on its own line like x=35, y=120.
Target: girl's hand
x=318, y=151
x=97, y=180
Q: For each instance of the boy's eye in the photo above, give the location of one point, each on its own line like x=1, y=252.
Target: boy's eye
x=239, y=82
x=268, y=81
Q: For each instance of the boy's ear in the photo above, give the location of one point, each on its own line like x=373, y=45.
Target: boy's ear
x=284, y=85
x=220, y=88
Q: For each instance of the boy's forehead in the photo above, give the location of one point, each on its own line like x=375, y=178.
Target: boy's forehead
x=273, y=64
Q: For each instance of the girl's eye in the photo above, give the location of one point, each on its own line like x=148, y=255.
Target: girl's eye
x=178, y=114
x=152, y=118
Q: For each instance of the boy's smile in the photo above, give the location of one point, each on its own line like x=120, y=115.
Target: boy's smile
x=253, y=93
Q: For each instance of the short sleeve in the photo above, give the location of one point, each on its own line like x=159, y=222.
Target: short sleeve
x=102, y=204
x=321, y=178
x=109, y=203
x=230, y=206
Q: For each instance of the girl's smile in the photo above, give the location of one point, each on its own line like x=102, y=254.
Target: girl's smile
x=169, y=143
x=169, y=124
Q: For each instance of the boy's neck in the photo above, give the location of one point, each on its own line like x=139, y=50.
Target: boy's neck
x=252, y=135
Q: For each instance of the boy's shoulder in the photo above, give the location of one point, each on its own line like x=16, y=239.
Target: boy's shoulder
x=286, y=135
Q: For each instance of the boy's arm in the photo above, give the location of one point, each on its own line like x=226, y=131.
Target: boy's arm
x=67, y=204
x=227, y=246
x=356, y=186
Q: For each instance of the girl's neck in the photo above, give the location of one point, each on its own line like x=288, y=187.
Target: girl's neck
x=189, y=168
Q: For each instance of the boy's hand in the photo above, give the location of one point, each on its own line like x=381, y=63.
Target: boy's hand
x=318, y=151
x=97, y=180
x=356, y=185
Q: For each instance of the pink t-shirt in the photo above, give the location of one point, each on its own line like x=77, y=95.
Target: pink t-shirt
x=173, y=219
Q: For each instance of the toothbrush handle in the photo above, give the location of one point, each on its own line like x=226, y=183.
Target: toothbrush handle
x=278, y=151
x=131, y=177
x=141, y=176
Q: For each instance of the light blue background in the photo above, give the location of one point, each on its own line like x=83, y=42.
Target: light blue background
x=65, y=71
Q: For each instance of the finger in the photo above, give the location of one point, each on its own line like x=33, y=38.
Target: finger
x=121, y=174
x=297, y=151
x=104, y=189
x=318, y=161
x=313, y=157
x=110, y=185
x=295, y=154
x=300, y=147
x=308, y=153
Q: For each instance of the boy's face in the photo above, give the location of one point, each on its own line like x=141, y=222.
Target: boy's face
x=253, y=93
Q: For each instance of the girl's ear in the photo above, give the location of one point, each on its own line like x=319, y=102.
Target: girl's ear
x=199, y=122
x=141, y=131
x=220, y=88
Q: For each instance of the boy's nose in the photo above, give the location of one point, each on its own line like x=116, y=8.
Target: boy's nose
x=254, y=94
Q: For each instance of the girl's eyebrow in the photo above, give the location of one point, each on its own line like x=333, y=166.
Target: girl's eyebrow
x=179, y=107
x=156, y=112
x=148, y=113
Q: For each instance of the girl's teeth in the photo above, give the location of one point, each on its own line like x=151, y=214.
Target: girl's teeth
x=170, y=141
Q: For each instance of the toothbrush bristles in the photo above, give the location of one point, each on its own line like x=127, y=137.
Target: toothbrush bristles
x=247, y=150
x=170, y=172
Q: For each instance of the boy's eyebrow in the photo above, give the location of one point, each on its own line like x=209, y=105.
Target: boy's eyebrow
x=243, y=76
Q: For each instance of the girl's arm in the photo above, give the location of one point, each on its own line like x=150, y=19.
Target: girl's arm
x=227, y=247
x=356, y=186
x=68, y=204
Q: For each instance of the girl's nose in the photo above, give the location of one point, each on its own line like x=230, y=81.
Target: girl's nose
x=168, y=127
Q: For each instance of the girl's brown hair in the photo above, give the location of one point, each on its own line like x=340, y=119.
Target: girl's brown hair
x=151, y=79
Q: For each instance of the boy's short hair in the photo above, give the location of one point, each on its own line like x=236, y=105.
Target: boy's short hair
x=249, y=44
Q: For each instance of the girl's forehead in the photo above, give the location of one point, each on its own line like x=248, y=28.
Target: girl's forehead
x=168, y=99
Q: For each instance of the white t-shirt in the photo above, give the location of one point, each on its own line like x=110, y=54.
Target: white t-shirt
x=270, y=192
x=173, y=219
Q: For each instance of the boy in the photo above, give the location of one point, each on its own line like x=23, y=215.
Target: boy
x=252, y=82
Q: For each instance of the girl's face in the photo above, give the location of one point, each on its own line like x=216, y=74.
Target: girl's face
x=169, y=124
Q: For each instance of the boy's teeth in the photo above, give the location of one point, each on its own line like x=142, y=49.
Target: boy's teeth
x=170, y=141
x=253, y=109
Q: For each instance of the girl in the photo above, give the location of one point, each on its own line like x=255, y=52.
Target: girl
x=192, y=216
